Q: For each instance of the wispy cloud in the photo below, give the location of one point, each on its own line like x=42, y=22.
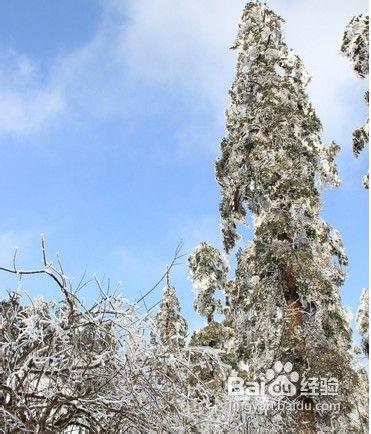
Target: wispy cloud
x=27, y=100
x=314, y=30
x=180, y=49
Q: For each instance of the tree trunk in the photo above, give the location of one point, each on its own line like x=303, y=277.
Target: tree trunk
x=294, y=318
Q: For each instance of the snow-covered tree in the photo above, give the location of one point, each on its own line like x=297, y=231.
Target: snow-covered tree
x=63, y=364
x=69, y=368
x=97, y=370
x=171, y=326
x=355, y=45
x=208, y=270
x=362, y=320
x=285, y=298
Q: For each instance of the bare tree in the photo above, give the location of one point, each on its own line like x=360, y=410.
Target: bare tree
x=64, y=364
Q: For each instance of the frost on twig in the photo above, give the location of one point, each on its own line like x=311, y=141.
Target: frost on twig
x=63, y=364
x=96, y=368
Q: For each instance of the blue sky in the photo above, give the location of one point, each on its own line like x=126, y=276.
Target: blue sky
x=111, y=114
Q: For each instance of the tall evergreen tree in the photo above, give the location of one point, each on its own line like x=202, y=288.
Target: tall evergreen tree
x=171, y=325
x=355, y=45
x=284, y=304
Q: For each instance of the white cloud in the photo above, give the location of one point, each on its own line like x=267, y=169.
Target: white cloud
x=180, y=47
x=183, y=44
x=27, y=103
x=314, y=30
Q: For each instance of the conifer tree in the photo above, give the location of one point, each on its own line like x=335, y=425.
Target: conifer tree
x=355, y=45
x=208, y=270
x=362, y=320
x=284, y=303
x=171, y=325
